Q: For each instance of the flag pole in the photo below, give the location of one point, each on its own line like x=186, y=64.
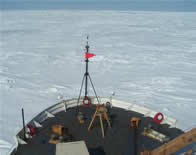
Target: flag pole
x=86, y=73
x=85, y=79
x=88, y=55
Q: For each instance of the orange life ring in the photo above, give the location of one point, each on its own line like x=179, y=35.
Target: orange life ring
x=158, y=118
x=86, y=102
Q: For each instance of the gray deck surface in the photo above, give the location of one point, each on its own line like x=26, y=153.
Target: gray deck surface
x=117, y=141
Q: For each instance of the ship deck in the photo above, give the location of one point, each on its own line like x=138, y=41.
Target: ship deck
x=118, y=139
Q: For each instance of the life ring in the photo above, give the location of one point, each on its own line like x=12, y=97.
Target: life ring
x=158, y=118
x=86, y=102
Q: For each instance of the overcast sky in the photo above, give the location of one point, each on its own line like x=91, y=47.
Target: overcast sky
x=153, y=5
x=96, y=0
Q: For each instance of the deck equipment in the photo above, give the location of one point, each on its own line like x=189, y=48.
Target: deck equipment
x=101, y=113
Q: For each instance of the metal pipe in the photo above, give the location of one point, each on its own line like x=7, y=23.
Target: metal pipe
x=86, y=73
x=135, y=138
x=23, y=124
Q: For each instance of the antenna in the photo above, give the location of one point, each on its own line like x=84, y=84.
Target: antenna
x=87, y=46
x=87, y=39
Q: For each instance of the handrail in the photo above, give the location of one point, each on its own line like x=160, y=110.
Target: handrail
x=63, y=105
x=187, y=129
x=147, y=112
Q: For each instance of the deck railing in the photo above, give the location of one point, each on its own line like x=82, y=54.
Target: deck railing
x=65, y=104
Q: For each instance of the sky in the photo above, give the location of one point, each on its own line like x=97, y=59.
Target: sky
x=140, y=5
x=101, y=1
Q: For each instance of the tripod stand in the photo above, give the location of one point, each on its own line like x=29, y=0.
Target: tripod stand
x=86, y=101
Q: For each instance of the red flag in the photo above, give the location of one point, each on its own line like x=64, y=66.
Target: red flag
x=89, y=55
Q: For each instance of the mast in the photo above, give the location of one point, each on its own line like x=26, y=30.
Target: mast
x=86, y=101
x=86, y=73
